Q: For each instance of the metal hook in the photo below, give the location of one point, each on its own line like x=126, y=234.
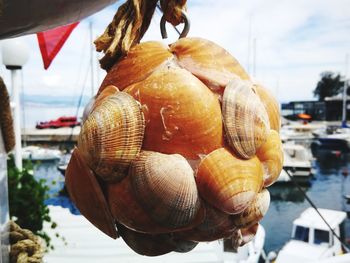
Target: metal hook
x=184, y=31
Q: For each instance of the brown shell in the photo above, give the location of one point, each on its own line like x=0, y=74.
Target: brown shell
x=216, y=225
x=245, y=119
x=255, y=212
x=165, y=186
x=108, y=91
x=271, y=105
x=208, y=61
x=86, y=194
x=227, y=182
x=139, y=63
x=271, y=156
x=112, y=136
x=128, y=211
x=248, y=233
x=182, y=115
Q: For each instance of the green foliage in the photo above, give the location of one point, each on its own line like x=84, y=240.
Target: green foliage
x=329, y=85
x=26, y=199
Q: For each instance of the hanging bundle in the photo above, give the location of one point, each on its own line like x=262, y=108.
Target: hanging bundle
x=25, y=246
x=129, y=25
x=179, y=145
x=6, y=121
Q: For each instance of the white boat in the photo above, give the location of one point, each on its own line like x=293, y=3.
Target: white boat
x=297, y=162
x=85, y=243
x=312, y=240
x=36, y=153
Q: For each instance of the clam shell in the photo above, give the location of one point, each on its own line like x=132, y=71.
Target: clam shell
x=245, y=119
x=139, y=63
x=271, y=105
x=255, y=212
x=208, y=61
x=112, y=136
x=271, y=156
x=216, y=225
x=227, y=182
x=182, y=115
x=128, y=211
x=165, y=187
x=146, y=244
x=86, y=194
x=248, y=234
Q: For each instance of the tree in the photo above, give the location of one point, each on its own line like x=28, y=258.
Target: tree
x=329, y=85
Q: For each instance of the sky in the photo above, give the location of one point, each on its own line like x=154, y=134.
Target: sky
x=292, y=43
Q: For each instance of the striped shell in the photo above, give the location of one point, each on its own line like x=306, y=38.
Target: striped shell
x=271, y=156
x=87, y=195
x=165, y=187
x=227, y=182
x=182, y=115
x=271, y=105
x=112, y=136
x=209, y=62
x=255, y=212
x=245, y=119
x=216, y=225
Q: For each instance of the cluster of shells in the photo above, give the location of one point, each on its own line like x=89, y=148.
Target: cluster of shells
x=177, y=148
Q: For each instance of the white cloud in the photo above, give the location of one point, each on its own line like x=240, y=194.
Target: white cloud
x=295, y=42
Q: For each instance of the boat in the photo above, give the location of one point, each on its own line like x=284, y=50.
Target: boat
x=36, y=153
x=312, y=240
x=297, y=163
x=85, y=243
x=58, y=123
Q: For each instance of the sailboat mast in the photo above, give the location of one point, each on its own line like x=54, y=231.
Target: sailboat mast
x=344, y=92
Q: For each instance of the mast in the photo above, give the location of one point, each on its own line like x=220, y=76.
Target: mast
x=344, y=93
x=92, y=59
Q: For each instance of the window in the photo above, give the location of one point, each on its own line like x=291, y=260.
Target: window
x=301, y=233
x=321, y=236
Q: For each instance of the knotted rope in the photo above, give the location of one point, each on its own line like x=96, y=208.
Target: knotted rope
x=6, y=121
x=129, y=25
x=25, y=246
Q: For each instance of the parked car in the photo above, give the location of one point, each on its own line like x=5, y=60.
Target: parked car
x=60, y=122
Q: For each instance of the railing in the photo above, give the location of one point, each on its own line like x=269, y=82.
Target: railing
x=4, y=207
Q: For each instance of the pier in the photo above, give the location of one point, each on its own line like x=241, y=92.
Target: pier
x=50, y=135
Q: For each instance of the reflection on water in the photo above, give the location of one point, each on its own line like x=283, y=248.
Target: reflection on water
x=327, y=189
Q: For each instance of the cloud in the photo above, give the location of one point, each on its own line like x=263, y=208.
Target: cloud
x=295, y=42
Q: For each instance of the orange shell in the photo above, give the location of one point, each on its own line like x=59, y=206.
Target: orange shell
x=87, y=195
x=271, y=156
x=139, y=63
x=182, y=115
x=271, y=105
x=227, y=182
x=208, y=61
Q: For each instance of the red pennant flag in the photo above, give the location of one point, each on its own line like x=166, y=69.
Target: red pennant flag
x=51, y=42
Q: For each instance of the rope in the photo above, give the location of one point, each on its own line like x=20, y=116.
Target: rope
x=318, y=212
x=6, y=121
x=25, y=246
x=129, y=25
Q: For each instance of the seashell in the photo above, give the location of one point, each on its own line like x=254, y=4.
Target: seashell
x=128, y=211
x=271, y=156
x=96, y=100
x=154, y=244
x=86, y=194
x=271, y=105
x=245, y=119
x=164, y=185
x=182, y=115
x=255, y=212
x=146, y=244
x=112, y=136
x=227, y=182
x=216, y=225
x=139, y=63
x=209, y=62
x=248, y=234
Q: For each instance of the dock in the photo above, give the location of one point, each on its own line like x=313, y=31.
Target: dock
x=50, y=135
